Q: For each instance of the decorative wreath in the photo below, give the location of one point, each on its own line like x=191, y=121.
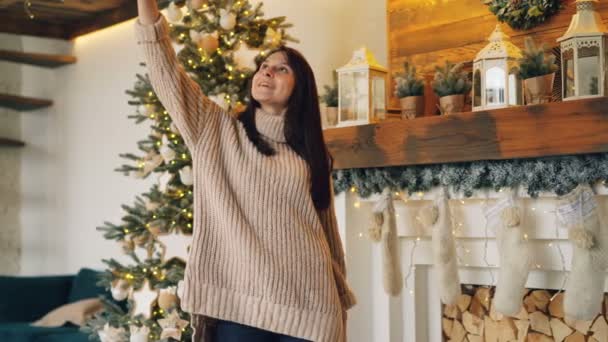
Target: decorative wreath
x=523, y=14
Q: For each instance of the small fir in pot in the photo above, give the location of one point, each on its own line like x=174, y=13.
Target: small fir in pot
x=537, y=68
x=330, y=98
x=409, y=88
x=451, y=84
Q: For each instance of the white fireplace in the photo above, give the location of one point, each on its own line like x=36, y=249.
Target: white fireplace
x=415, y=315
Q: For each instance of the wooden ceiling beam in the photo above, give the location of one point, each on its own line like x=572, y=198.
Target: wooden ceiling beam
x=105, y=19
x=23, y=25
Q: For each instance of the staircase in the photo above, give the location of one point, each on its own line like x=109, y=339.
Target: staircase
x=22, y=103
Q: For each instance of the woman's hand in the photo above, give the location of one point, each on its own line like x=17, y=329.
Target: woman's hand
x=147, y=11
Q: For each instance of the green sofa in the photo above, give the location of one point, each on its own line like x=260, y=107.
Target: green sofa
x=26, y=299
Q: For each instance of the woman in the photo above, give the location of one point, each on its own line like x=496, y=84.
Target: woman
x=266, y=261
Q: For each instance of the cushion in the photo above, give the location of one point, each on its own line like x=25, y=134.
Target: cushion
x=24, y=332
x=84, y=286
x=76, y=313
x=25, y=299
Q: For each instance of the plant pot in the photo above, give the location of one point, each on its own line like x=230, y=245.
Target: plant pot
x=451, y=104
x=411, y=107
x=331, y=114
x=539, y=89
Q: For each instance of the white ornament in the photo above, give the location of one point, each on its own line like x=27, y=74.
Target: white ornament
x=185, y=175
x=152, y=161
x=175, y=246
x=272, y=37
x=244, y=57
x=227, y=19
x=111, y=334
x=120, y=290
x=172, y=326
x=139, y=334
x=163, y=181
x=174, y=13
x=166, y=151
x=143, y=299
x=194, y=35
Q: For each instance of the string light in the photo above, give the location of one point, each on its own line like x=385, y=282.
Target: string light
x=357, y=205
x=26, y=6
x=562, y=257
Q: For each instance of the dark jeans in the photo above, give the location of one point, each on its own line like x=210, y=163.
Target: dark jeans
x=226, y=331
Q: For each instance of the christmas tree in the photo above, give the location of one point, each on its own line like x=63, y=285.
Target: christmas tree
x=219, y=43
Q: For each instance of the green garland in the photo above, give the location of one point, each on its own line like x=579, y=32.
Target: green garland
x=523, y=14
x=554, y=174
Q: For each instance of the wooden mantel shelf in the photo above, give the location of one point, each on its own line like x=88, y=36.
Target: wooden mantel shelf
x=22, y=103
x=37, y=59
x=561, y=128
x=6, y=142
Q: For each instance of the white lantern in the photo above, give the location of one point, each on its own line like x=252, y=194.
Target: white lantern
x=496, y=81
x=361, y=90
x=583, y=50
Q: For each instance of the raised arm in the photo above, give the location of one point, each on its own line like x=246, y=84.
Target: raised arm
x=180, y=95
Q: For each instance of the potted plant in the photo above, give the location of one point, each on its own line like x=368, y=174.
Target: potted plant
x=451, y=84
x=330, y=98
x=409, y=88
x=537, y=68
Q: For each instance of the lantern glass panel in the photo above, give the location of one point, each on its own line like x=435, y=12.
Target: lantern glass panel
x=347, y=91
x=361, y=95
x=589, y=70
x=568, y=72
x=379, y=97
x=477, y=88
x=514, y=88
x=495, y=86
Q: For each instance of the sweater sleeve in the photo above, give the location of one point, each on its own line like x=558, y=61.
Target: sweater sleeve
x=332, y=234
x=180, y=95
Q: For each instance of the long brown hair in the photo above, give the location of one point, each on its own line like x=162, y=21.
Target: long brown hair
x=302, y=126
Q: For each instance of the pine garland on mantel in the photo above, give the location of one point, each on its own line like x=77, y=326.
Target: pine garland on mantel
x=551, y=174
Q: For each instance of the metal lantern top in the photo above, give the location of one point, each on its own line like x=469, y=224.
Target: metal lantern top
x=587, y=22
x=499, y=47
x=362, y=59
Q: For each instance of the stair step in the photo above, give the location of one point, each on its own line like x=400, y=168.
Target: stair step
x=22, y=103
x=38, y=59
x=6, y=142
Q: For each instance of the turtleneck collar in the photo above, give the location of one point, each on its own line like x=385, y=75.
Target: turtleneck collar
x=271, y=125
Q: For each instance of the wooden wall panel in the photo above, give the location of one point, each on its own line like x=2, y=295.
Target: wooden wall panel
x=429, y=32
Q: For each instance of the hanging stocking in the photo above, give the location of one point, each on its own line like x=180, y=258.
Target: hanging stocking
x=385, y=230
x=585, y=288
x=437, y=216
x=506, y=218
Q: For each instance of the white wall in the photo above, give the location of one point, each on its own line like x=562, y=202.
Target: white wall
x=10, y=159
x=69, y=186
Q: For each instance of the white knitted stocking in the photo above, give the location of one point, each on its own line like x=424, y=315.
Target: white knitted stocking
x=438, y=217
x=585, y=288
x=392, y=277
x=505, y=216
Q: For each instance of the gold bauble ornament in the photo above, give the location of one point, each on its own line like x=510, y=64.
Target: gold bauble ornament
x=208, y=42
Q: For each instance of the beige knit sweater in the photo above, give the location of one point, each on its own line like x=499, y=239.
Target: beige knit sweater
x=261, y=254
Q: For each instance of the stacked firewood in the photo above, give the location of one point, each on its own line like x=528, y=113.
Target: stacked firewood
x=541, y=319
